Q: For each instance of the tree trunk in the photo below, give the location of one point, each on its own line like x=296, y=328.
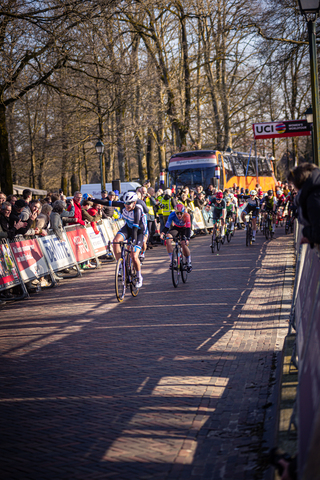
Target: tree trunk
x=120, y=145
x=64, y=163
x=150, y=156
x=5, y=165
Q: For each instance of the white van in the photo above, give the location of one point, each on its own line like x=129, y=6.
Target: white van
x=94, y=189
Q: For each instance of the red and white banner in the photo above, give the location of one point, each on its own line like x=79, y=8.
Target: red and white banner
x=287, y=128
x=30, y=260
x=8, y=272
x=80, y=244
x=99, y=241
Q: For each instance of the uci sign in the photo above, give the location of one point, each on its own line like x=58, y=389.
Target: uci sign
x=287, y=128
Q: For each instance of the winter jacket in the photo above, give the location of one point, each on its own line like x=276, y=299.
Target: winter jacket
x=77, y=213
x=309, y=203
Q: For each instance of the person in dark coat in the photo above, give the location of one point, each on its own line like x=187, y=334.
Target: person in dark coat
x=306, y=178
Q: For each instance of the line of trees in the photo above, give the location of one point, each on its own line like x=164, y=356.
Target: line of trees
x=149, y=78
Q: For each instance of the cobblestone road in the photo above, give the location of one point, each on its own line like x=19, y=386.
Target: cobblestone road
x=174, y=384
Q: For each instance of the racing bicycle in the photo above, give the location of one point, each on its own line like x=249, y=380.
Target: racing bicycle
x=249, y=231
x=179, y=263
x=216, y=239
x=125, y=272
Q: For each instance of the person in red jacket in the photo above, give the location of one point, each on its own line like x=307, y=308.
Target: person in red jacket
x=77, y=208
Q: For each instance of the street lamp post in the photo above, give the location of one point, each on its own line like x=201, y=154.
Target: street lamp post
x=310, y=9
x=100, y=150
x=309, y=116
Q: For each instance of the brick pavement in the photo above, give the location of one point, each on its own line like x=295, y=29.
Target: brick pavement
x=173, y=384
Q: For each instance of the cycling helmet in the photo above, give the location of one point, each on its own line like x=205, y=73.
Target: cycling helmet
x=179, y=208
x=253, y=192
x=231, y=196
x=279, y=192
x=130, y=197
x=219, y=195
x=269, y=192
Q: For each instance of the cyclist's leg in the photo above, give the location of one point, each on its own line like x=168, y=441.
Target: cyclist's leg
x=169, y=236
x=135, y=258
x=254, y=223
x=274, y=216
x=186, y=251
x=222, y=228
x=120, y=237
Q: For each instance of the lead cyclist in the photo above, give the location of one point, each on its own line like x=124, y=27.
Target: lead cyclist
x=135, y=228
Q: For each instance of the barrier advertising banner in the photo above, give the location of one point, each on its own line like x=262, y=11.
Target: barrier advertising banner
x=57, y=253
x=80, y=244
x=197, y=220
x=8, y=273
x=99, y=241
x=29, y=258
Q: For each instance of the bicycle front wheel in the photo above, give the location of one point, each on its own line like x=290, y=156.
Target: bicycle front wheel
x=133, y=280
x=175, y=268
x=218, y=240
x=213, y=243
x=267, y=230
x=120, y=280
x=183, y=269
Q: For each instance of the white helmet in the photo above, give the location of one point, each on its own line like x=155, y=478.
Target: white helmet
x=253, y=192
x=130, y=197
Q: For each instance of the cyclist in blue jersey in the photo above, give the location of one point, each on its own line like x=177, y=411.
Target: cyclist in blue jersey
x=135, y=228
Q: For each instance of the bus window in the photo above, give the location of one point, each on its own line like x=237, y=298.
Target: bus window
x=221, y=182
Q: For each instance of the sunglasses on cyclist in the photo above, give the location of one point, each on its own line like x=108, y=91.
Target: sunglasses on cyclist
x=128, y=203
x=179, y=213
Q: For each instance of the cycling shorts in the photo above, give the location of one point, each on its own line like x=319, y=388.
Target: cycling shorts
x=251, y=208
x=127, y=234
x=177, y=231
x=216, y=215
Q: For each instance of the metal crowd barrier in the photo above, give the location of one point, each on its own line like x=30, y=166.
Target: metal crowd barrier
x=305, y=320
x=25, y=260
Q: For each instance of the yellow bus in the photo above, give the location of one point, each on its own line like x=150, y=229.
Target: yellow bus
x=205, y=167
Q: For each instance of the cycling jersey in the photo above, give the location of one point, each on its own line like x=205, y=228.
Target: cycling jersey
x=270, y=202
x=252, y=205
x=136, y=219
x=182, y=222
x=218, y=207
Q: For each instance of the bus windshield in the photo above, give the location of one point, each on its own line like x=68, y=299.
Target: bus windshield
x=192, y=176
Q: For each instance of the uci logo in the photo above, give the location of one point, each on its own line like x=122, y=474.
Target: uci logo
x=269, y=128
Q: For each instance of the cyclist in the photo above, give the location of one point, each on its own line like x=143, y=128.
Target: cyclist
x=269, y=205
x=135, y=228
x=253, y=205
x=230, y=208
x=281, y=202
x=219, y=210
x=181, y=227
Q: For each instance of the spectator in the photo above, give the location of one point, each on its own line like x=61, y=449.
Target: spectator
x=16, y=211
x=95, y=212
x=86, y=217
x=3, y=198
x=30, y=214
x=107, y=212
x=200, y=201
x=147, y=184
x=199, y=189
x=43, y=218
x=55, y=197
x=6, y=230
x=306, y=178
x=57, y=214
x=27, y=195
x=12, y=199
x=209, y=190
x=151, y=203
x=77, y=208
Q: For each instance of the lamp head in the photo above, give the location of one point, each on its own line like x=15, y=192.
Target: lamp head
x=99, y=147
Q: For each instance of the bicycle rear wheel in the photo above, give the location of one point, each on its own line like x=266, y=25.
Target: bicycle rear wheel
x=247, y=236
x=175, y=268
x=228, y=235
x=218, y=241
x=120, y=280
x=183, y=269
x=133, y=280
